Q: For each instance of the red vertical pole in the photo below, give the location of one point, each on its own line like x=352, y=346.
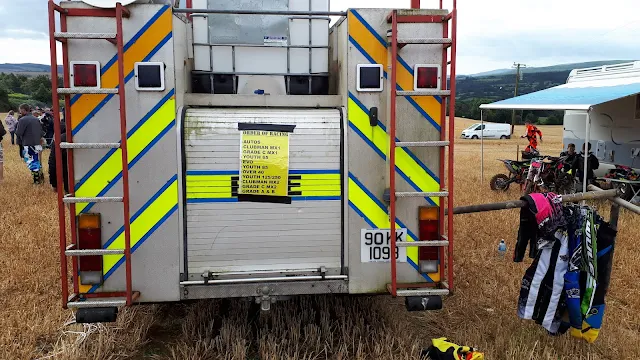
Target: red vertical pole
x=452, y=111
x=415, y=4
x=392, y=148
x=443, y=122
x=123, y=148
x=70, y=174
x=56, y=130
x=189, y=6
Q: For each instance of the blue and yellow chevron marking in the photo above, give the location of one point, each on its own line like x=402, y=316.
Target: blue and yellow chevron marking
x=140, y=139
x=146, y=43
x=412, y=170
x=374, y=47
x=143, y=224
x=374, y=212
x=221, y=186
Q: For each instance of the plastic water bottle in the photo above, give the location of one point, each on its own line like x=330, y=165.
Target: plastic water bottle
x=502, y=249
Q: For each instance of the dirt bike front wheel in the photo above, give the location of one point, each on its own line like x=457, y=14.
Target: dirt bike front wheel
x=499, y=182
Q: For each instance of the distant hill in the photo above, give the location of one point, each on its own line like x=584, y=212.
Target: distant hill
x=544, y=69
x=26, y=68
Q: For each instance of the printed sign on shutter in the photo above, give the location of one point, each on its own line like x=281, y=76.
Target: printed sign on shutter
x=264, y=162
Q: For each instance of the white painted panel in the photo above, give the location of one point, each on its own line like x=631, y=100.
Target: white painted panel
x=253, y=237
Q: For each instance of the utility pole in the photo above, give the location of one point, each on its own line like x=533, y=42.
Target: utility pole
x=517, y=66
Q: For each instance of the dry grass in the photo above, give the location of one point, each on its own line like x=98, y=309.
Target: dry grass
x=481, y=313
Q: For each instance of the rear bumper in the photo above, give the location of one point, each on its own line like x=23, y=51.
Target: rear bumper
x=218, y=291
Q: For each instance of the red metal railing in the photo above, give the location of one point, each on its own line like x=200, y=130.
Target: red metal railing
x=119, y=13
x=452, y=117
x=445, y=172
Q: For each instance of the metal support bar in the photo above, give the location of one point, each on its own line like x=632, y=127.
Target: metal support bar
x=423, y=292
x=86, y=36
x=86, y=90
x=124, y=153
x=423, y=243
x=96, y=303
x=618, y=201
x=57, y=136
x=424, y=41
x=94, y=252
x=424, y=93
x=69, y=133
x=516, y=204
x=265, y=279
x=258, y=73
x=86, y=200
x=67, y=145
x=207, y=12
x=422, y=143
x=264, y=46
x=401, y=194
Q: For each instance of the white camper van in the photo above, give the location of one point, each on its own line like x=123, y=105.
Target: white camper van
x=487, y=130
x=615, y=125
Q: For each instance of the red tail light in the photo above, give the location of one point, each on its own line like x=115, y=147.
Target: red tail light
x=85, y=75
x=429, y=229
x=90, y=238
x=426, y=77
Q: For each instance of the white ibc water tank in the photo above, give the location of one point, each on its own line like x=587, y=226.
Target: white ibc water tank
x=252, y=46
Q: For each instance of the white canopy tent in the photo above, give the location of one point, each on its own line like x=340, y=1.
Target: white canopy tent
x=579, y=95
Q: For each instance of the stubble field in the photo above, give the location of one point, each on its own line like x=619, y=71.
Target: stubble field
x=481, y=313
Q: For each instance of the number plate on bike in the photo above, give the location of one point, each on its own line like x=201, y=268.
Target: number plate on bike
x=376, y=245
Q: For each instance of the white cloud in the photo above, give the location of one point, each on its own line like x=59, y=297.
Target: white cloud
x=491, y=33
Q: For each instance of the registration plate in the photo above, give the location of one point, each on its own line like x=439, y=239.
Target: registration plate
x=375, y=245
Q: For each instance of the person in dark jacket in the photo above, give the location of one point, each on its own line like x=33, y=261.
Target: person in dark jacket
x=592, y=164
x=53, y=171
x=3, y=132
x=29, y=131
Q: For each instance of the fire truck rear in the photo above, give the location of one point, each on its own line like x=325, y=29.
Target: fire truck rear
x=230, y=150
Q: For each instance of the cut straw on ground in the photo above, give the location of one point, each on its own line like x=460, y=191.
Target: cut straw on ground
x=481, y=313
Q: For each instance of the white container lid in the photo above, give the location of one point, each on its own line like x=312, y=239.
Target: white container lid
x=107, y=4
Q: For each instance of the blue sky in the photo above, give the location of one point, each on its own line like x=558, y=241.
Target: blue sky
x=492, y=33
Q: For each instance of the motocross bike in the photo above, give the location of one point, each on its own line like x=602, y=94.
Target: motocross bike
x=625, y=179
x=550, y=174
x=517, y=174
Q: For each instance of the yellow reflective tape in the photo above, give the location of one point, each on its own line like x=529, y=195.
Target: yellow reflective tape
x=380, y=219
x=380, y=139
x=378, y=52
x=136, y=143
x=137, y=52
x=144, y=223
x=219, y=186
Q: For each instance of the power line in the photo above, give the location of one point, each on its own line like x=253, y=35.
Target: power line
x=517, y=66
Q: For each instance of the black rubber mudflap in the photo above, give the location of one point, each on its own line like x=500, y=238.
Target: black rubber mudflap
x=422, y=303
x=96, y=315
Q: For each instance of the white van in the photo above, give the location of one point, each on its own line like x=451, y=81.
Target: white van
x=487, y=130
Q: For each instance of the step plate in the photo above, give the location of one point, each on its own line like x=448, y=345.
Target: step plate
x=423, y=292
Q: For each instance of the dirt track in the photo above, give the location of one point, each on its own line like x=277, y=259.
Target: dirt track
x=481, y=313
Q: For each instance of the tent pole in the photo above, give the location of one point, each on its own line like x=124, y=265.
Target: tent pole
x=481, y=145
x=586, y=150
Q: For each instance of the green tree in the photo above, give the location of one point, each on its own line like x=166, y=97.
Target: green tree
x=43, y=94
x=13, y=83
x=5, y=105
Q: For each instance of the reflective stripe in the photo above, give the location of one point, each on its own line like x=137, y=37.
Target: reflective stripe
x=218, y=186
x=143, y=224
x=363, y=37
x=408, y=165
x=365, y=204
x=153, y=35
x=147, y=132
